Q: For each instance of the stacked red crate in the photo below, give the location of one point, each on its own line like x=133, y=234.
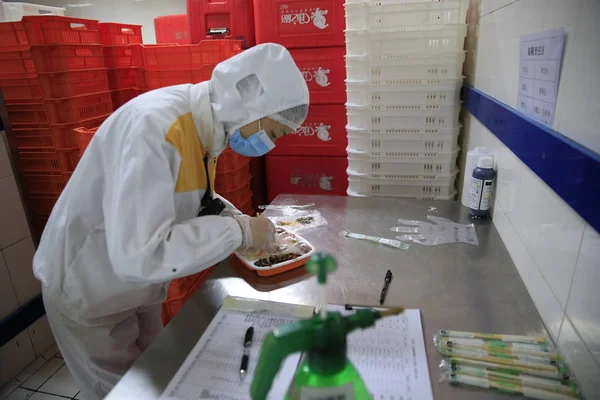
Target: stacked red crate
x=313, y=159
x=172, y=29
x=223, y=19
x=122, y=56
x=53, y=80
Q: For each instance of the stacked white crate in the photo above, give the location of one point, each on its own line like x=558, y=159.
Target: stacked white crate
x=404, y=75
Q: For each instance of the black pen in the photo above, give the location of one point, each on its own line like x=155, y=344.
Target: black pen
x=388, y=279
x=246, y=356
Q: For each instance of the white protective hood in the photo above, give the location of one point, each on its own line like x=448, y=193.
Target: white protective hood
x=277, y=85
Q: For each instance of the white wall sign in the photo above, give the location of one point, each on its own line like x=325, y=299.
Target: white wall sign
x=541, y=54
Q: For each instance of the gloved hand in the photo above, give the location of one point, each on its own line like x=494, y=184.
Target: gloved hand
x=231, y=212
x=443, y=231
x=257, y=232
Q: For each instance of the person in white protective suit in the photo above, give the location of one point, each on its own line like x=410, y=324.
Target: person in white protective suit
x=134, y=214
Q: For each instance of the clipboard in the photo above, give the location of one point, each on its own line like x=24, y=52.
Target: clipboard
x=390, y=356
x=211, y=370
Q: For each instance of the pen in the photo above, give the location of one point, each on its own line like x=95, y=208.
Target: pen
x=388, y=279
x=246, y=356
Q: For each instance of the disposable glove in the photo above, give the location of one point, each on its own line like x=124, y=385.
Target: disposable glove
x=257, y=232
x=443, y=231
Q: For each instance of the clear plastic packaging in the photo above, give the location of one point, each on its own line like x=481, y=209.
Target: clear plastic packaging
x=569, y=389
x=296, y=220
x=443, y=231
x=376, y=239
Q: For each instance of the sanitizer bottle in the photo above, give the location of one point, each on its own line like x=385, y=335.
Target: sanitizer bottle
x=480, y=187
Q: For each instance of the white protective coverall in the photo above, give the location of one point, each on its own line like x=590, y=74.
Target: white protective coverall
x=126, y=223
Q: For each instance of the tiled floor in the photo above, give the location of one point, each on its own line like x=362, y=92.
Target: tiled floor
x=47, y=378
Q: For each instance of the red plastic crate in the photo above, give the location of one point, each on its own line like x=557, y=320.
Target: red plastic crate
x=229, y=161
x=123, y=56
x=42, y=205
x=159, y=79
x=300, y=23
x=306, y=175
x=54, y=29
x=124, y=78
x=60, y=111
x=239, y=195
x=122, y=96
x=247, y=207
x=180, y=291
x=57, y=58
x=235, y=18
x=12, y=34
x=67, y=57
x=259, y=181
x=324, y=70
x=38, y=223
x=172, y=29
x=112, y=34
x=322, y=134
x=20, y=86
x=46, y=184
x=53, y=85
x=84, y=137
x=228, y=181
x=192, y=56
x=60, y=160
x=54, y=137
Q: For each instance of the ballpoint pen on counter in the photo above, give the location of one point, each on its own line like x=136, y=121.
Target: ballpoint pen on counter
x=246, y=357
x=386, y=284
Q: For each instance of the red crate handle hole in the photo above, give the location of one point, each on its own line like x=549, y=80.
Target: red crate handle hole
x=78, y=26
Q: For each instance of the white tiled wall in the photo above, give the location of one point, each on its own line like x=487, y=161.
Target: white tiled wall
x=17, y=283
x=556, y=252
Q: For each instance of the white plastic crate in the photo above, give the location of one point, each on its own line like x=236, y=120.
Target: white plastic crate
x=442, y=92
x=16, y=11
x=388, y=69
x=440, y=186
x=451, y=197
x=398, y=145
x=370, y=14
x=402, y=168
x=364, y=42
x=402, y=119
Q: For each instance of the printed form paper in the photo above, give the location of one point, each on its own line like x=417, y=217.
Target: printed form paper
x=391, y=357
x=541, y=54
x=212, y=370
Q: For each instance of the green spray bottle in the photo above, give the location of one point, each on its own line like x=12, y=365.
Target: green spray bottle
x=325, y=372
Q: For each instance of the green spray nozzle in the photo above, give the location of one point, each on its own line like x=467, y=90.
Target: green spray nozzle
x=321, y=264
x=323, y=340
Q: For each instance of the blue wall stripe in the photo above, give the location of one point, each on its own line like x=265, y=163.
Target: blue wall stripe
x=19, y=320
x=571, y=170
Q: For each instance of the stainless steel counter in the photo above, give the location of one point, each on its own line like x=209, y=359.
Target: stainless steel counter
x=456, y=286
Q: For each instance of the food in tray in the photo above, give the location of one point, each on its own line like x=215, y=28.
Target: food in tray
x=288, y=247
x=291, y=251
x=276, y=259
x=297, y=221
